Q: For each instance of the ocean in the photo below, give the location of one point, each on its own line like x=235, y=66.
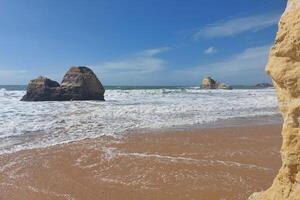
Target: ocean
x=28, y=125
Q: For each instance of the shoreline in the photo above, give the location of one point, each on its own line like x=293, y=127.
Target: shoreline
x=28, y=125
x=207, y=163
x=275, y=119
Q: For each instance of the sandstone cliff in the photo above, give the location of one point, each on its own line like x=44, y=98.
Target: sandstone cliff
x=284, y=68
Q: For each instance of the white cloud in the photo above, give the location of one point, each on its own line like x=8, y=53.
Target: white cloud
x=12, y=76
x=250, y=59
x=134, y=69
x=146, y=67
x=153, y=52
x=4, y=73
x=210, y=50
x=236, y=26
x=245, y=67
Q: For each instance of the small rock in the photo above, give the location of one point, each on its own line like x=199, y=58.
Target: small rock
x=41, y=89
x=263, y=85
x=209, y=83
x=224, y=86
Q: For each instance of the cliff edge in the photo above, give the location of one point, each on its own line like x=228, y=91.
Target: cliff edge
x=284, y=68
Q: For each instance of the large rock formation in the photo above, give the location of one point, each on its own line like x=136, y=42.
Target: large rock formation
x=284, y=68
x=79, y=83
x=209, y=83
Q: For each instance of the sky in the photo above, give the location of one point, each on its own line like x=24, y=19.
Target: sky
x=138, y=42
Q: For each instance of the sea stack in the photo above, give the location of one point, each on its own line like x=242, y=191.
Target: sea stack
x=284, y=68
x=79, y=83
x=210, y=83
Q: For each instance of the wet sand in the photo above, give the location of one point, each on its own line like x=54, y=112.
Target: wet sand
x=208, y=164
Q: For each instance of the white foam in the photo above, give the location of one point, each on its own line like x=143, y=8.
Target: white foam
x=26, y=125
x=113, y=152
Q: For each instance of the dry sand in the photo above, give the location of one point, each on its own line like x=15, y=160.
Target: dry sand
x=220, y=163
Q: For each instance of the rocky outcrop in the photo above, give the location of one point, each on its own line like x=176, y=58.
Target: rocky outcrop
x=79, y=83
x=41, y=89
x=284, y=68
x=209, y=83
x=263, y=85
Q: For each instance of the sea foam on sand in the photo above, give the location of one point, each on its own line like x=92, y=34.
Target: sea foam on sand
x=27, y=125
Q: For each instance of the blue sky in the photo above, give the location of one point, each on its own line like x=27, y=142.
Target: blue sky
x=138, y=42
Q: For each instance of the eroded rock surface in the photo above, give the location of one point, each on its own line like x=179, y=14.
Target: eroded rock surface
x=79, y=83
x=284, y=68
x=41, y=89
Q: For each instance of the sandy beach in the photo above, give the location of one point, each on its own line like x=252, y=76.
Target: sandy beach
x=205, y=164
x=150, y=100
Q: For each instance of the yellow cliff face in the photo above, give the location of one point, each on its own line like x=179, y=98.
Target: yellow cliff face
x=284, y=68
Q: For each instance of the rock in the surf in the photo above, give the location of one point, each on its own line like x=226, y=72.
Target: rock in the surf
x=263, y=85
x=79, y=83
x=224, y=86
x=41, y=89
x=210, y=83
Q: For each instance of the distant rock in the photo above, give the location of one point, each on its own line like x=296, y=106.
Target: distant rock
x=79, y=83
x=224, y=86
x=209, y=83
x=263, y=85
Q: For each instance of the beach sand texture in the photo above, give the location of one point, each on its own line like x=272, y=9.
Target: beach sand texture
x=219, y=163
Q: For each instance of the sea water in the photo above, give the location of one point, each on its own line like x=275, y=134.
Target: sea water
x=27, y=125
